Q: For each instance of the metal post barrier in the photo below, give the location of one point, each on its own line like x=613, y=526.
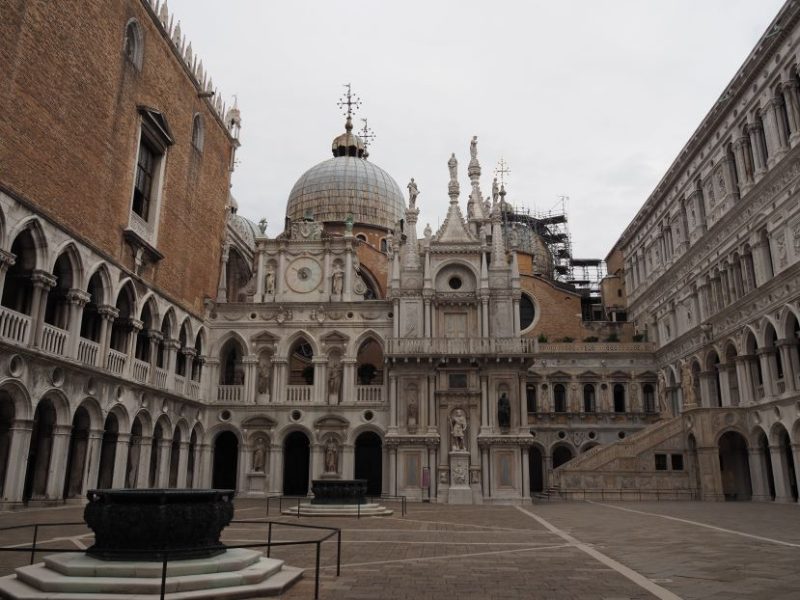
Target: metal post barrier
x=164, y=575
x=298, y=508
x=358, y=504
x=269, y=540
x=33, y=547
x=339, y=553
x=316, y=583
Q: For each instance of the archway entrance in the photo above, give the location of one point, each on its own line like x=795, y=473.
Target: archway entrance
x=369, y=462
x=108, y=453
x=535, y=469
x=41, y=447
x=7, y=413
x=561, y=455
x=734, y=467
x=226, y=461
x=790, y=478
x=295, y=464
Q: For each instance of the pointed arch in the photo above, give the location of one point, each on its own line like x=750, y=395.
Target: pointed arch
x=23, y=406
x=34, y=228
x=171, y=322
x=150, y=304
x=92, y=406
x=186, y=328
x=60, y=403
x=100, y=270
x=355, y=344
x=70, y=250
x=285, y=346
x=220, y=343
x=122, y=415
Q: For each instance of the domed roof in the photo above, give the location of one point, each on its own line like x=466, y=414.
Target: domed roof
x=347, y=185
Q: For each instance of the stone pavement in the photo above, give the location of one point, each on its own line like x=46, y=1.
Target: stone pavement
x=666, y=550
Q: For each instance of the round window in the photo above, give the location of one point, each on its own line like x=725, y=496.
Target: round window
x=455, y=283
x=527, y=311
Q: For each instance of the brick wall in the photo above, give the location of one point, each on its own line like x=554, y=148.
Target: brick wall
x=69, y=128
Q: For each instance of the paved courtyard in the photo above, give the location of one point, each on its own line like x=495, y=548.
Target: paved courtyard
x=559, y=551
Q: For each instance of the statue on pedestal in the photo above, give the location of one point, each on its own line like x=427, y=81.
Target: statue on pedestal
x=335, y=379
x=331, y=457
x=264, y=371
x=413, y=192
x=259, y=455
x=269, y=283
x=663, y=406
x=458, y=429
x=337, y=282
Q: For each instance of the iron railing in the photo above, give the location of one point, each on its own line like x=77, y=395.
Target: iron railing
x=296, y=501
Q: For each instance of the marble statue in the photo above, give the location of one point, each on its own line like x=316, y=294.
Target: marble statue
x=663, y=406
x=458, y=429
x=331, y=457
x=503, y=411
x=269, y=283
x=259, y=455
x=473, y=147
x=495, y=191
x=687, y=384
x=452, y=164
x=335, y=379
x=337, y=282
x=413, y=192
x=412, y=411
x=264, y=369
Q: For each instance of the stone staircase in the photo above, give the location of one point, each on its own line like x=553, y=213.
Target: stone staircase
x=627, y=465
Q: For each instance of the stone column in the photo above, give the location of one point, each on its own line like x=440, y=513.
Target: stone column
x=7, y=260
x=276, y=469
x=789, y=357
x=777, y=142
x=485, y=483
x=260, y=273
x=433, y=416
x=349, y=391
x=154, y=338
x=107, y=315
x=392, y=470
x=743, y=379
x=780, y=471
x=183, y=461
x=523, y=404
x=222, y=287
x=790, y=97
x=796, y=458
x=250, y=363
x=432, y=470
x=57, y=469
x=761, y=262
x=77, y=300
x=757, y=474
x=724, y=372
x=19, y=447
x=42, y=282
x=392, y=403
x=203, y=466
x=134, y=327
x=708, y=397
x=120, y=460
x=426, y=316
x=317, y=463
x=768, y=375
x=143, y=472
x=164, y=459
x=744, y=168
x=347, y=294
x=526, y=473
x=91, y=465
x=484, y=403
x=754, y=131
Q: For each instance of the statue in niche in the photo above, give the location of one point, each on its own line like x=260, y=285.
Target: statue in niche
x=264, y=371
x=337, y=283
x=335, y=379
x=503, y=411
x=413, y=192
x=412, y=411
x=663, y=406
x=458, y=429
x=331, y=457
x=269, y=283
x=259, y=455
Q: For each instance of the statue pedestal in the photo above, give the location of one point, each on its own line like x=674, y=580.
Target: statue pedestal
x=257, y=482
x=459, y=491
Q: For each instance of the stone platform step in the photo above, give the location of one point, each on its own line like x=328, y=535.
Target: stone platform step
x=245, y=574
x=371, y=509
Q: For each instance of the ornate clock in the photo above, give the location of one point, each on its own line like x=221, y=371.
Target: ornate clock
x=303, y=275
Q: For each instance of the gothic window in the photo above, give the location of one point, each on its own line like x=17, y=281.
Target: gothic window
x=143, y=186
x=198, y=133
x=527, y=312
x=559, y=398
x=133, y=45
x=301, y=367
x=154, y=139
x=231, y=370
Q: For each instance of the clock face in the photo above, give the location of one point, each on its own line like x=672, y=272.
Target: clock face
x=303, y=275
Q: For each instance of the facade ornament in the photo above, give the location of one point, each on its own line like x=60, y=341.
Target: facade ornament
x=413, y=192
x=473, y=147
x=262, y=226
x=458, y=429
x=427, y=232
x=269, y=283
x=337, y=282
x=452, y=165
x=264, y=372
x=259, y=455
x=335, y=380
x=687, y=385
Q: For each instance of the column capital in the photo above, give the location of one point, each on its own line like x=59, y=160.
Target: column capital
x=43, y=279
x=79, y=297
x=7, y=259
x=188, y=352
x=154, y=335
x=108, y=312
x=172, y=344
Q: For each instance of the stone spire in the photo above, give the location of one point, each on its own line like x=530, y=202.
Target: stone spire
x=498, y=245
x=411, y=250
x=475, y=211
x=454, y=229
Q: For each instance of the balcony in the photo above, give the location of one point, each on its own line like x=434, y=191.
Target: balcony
x=299, y=394
x=141, y=370
x=14, y=326
x=596, y=347
x=53, y=340
x=87, y=352
x=193, y=390
x=160, y=378
x=116, y=361
x=230, y=394
x=369, y=393
x=461, y=346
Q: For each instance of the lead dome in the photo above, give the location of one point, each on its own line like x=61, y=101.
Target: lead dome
x=347, y=184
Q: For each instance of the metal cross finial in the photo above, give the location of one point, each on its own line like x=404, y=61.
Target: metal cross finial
x=349, y=100
x=367, y=134
x=502, y=170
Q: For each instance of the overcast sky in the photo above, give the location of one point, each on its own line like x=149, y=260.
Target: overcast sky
x=586, y=99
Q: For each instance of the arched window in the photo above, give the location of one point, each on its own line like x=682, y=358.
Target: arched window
x=619, y=398
x=370, y=363
x=18, y=288
x=527, y=311
x=133, y=44
x=589, y=403
x=198, y=133
x=231, y=371
x=197, y=364
x=559, y=398
x=301, y=367
x=384, y=245
x=362, y=237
